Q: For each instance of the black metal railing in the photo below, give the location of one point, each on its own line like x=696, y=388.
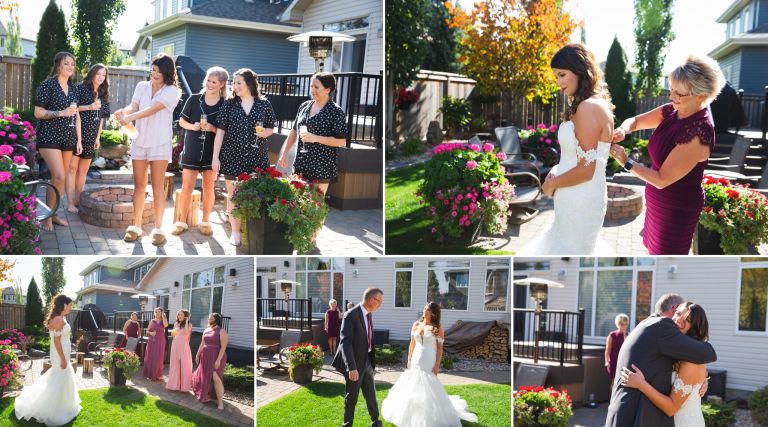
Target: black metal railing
x=114, y=321
x=285, y=314
x=552, y=335
x=358, y=94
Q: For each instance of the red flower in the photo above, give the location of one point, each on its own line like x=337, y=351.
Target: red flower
x=243, y=177
x=732, y=193
x=708, y=209
x=297, y=184
x=283, y=202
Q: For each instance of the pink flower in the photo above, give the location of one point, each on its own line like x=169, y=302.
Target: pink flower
x=453, y=214
x=5, y=176
x=488, y=147
x=474, y=147
x=541, y=126
x=19, y=160
x=548, y=141
x=501, y=155
x=472, y=164
x=38, y=251
x=5, y=149
x=434, y=230
x=19, y=206
x=12, y=136
x=553, y=128
x=541, y=139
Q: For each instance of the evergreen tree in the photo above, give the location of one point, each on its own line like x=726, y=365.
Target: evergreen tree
x=653, y=33
x=619, y=82
x=51, y=39
x=53, y=277
x=13, y=47
x=34, y=316
x=92, y=24
x=442, y=40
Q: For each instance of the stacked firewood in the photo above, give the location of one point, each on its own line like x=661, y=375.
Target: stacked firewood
x=494, y=347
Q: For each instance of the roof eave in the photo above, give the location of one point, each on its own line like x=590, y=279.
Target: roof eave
x=731, y=11
x=730, y=45
x=152, y=270
x=294, y=13
x=185, y=18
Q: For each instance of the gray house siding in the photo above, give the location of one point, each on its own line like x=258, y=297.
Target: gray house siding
x=177, y=37
x=731, y=66
x=754, y=62
x=109, y=301
x=762, y=11
x=264, y=53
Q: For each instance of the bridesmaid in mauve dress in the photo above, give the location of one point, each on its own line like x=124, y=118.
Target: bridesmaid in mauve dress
x=155, y=353
x=679, y=149
x=180, y=370
x=131, y=328
x=208, y=380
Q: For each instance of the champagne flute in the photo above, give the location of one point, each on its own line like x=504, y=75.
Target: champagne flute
x=97, y=105
x=203, y=123
x=73, y=107
x=256, y=129
x=302, y=129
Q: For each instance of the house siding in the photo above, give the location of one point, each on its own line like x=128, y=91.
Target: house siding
x=264, y=53
x=110, y=301
x=329, y=11
x=176, y=36
x=762, y=11
x=753, y=78
x=237, y=301
x=732, y=65
x=379, y=272
x=712, y=282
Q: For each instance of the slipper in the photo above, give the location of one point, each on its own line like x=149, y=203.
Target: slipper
x=179, y=227
x=158, y=237
x=132, y=233
x=205, y=228
x=235, y=240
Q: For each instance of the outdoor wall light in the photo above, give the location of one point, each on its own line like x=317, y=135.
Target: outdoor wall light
x=352, y=261
x=672, y=270
x=286, y=263
x=176, y=284
x=232, y=272
x=235, y=284
x=355, y=272
x=285, y=274
x=561, y=274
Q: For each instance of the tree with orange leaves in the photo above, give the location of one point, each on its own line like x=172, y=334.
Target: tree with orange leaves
x=507, y=45
x=6, y=266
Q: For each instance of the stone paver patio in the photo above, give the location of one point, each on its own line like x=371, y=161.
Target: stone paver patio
x=234, y=413
x=351, y=231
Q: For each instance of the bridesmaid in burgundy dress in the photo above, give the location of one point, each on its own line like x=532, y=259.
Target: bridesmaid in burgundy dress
x=131, y=328
x=155, y=353
x=208, y=379
x=613, y=344
x=679, y=148
x=332, y=325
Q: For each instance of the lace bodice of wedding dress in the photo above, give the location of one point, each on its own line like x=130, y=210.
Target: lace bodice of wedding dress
x=418, y=399
x=579, y=209
x=689, y=415
x=53, y=399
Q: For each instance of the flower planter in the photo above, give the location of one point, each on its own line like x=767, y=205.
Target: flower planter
x=302, y=374
x=116, y=376
x=266, y=236
x=707, y=242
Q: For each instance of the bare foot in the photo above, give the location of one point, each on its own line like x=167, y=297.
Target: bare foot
x=59, y=221
x=47, y=225
x=221, y=407
x=72, y=209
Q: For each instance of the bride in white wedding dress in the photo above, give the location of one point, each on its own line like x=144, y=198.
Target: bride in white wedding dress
x=418, y=399
x=577, y=183
x=684, y=401
x=53, y=399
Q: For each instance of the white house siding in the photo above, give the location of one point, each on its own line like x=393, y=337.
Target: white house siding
x=237, y=302
x=329, y=11
x=380, y=272
x=714, y=283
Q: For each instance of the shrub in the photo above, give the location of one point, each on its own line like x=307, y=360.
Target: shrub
x=411, y=147
x=758, y=404
x=110, y=138
x=19, y=228
x=304, y=354
x=738, y=213
x=719, y=414
x=456, y=113
x=238, y=379
x=538, y=140
x=9, y=365
x=537, y=406
x=388, y=354
x=42, y=343
x=449, y=361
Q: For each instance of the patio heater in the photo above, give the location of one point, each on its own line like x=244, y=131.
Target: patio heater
x=538, y=289
x=286, y=286
x=143, y=299
x=320, y=44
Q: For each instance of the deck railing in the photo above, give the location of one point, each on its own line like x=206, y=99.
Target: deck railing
x=293, y=313
x=551, y=335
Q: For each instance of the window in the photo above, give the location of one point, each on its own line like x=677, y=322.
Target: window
x=202, y=294
x=167, y=49
x=448, y=284
x=92, y=278
x=403, y=284
x=350, y=24
x=323, y=278
x=496, y=285
x=140, y=272
x=746, y=20
x=753, y=298
x=521, y=266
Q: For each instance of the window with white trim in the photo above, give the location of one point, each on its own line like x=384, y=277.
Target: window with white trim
x=448, y=284
x=323, y=278
x=496, y=285
x=202, y=295
x=753, y=295
x=91, y=278
x=142, y=271
x=403, y=284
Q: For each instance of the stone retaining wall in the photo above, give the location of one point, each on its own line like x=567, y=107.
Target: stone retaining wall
x=112, y=207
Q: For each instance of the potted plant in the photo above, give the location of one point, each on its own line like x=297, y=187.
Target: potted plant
x=121, y=365
x=19, y=228
x=9, y=365
x=457, y=113
x=406, y=98
x=734, y=219
x=281, y=213
x=542, y=142
x=537, y=407
x=463, y=188
x=302, y=360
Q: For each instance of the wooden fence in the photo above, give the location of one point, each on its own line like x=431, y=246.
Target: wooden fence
x=16, y=83
x=12, y=316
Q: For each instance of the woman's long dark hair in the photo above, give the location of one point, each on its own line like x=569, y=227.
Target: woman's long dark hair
x=57, y=306
x=699, y=323
x=251, y=80
x=579, y=60
x=183, y=322
x=57, y=60
x=216, y=319
x=434, y=318
x=88, y=81
x=167, y=68
x=328, y=80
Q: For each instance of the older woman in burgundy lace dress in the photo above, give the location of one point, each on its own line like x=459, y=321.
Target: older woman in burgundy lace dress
x=680, y=145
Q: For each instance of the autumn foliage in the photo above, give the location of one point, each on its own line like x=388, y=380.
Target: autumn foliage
x=507, y=45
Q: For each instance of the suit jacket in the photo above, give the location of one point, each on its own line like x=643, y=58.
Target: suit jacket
x=653, y=346
x=352, y=352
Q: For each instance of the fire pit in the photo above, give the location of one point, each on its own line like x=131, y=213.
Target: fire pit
x=112, y=207
x=623, y=202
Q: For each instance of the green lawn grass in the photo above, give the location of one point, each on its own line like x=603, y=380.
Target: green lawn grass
x=322, y=404
x=408, y=229
x=120, y=406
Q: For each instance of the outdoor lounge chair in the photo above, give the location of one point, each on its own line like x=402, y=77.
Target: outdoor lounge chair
x=131, y=344
x=509, y=143
x=524, y=171
x=730, y=167
x=277, y=353
x=98, y=347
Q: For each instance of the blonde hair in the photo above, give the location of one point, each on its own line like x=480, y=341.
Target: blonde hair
x=621, y=317
x=700, y=74
x=333, y=301
x=220, y=74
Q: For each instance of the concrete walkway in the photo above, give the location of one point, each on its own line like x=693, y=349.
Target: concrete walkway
x=359, y=232
x=234, y=413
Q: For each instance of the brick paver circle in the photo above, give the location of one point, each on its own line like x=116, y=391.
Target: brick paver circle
x=112, y=207
x=623, y=202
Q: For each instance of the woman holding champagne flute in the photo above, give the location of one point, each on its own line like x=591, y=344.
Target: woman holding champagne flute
x=246, y=120
x=152, y=109
x=58, y=127
x=200, y=118
x=93, y=99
